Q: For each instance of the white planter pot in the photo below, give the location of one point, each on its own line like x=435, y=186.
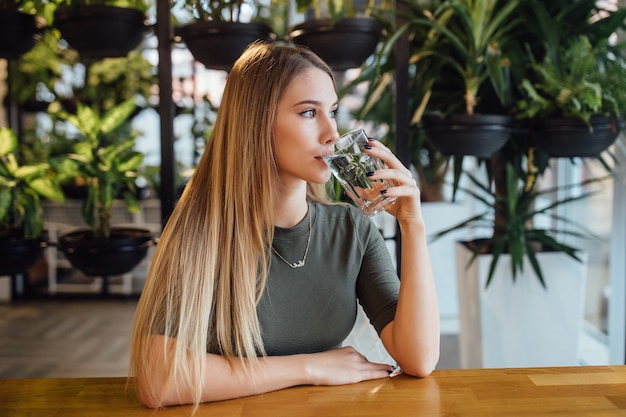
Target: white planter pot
x=521, y=323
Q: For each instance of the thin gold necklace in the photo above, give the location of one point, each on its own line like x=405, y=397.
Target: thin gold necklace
x=300, y=263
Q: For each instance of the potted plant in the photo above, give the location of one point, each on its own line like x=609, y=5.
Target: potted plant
x=520, y=283
x=102, y=28
x=521, y=289
x=21, y=26
x=464, y=109
x=109, y=169
x=218, y=31
x=341, y=33
x=573, y=95
x=22, y=186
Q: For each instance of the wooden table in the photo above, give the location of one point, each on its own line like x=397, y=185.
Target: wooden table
x=566, y=391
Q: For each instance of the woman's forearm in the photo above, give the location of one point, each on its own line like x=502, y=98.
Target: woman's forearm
x=226, y=379
x=414, y=334
x=223, y=379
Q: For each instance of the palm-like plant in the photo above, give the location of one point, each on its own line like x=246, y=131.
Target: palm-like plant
x=474, y=33
x=108, y=168
x=512, y=217
x=21, y=190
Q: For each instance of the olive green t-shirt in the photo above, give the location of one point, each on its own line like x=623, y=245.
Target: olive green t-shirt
x=313, y=308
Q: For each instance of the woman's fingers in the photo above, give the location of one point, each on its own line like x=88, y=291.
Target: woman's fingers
x=379, y=150
x=346, y=366
x=403, y=185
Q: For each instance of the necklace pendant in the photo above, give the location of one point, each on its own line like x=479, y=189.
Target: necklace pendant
x=298, y=264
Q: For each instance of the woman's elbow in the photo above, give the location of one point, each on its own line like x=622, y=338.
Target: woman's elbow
x=421, y=366
x=148, y=400
x=151, y=391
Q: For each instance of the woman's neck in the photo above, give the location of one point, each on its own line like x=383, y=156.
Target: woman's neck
x=290, y=207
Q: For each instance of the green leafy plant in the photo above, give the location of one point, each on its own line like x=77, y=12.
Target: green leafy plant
x=35, y=75
x=566, y=65
x=108, y=168
x=578, y=85
x=21, y=188
x=466, y=43
x=512, y=217
x=110, y=81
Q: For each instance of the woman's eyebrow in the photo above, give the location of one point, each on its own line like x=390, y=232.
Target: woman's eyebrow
x=313, y=102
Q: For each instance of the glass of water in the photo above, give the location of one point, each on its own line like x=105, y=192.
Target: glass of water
x=350, y=165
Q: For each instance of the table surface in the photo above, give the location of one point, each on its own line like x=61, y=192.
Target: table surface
x=523, y=392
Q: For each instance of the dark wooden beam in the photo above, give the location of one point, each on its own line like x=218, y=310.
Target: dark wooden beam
x=163, y=30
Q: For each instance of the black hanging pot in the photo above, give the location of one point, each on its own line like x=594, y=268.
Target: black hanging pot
x=119, y=254
x=18, y=254
x=343, y=45
x=19, y=32
x=572, y=137
x=478, y=135
x=218, y=44
x=101, y=31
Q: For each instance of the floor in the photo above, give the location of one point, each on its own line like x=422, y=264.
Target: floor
x=65, y=338
x=85, y=338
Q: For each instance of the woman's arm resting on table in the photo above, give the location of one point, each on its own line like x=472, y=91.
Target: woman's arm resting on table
x=226, y=379
x=412, y=338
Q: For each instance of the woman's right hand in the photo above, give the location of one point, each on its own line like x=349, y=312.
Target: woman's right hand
x=343, y=366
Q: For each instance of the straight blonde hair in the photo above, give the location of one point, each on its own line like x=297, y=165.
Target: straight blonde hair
x=211, y=264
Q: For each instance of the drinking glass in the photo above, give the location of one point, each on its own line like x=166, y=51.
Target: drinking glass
x=350, y=165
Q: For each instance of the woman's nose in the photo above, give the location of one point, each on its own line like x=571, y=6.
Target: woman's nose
x=329, y=134
x=331, y=139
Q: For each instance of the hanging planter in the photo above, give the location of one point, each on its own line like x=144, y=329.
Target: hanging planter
x=19, y=32
x=218, y=44
x=18, y=254
x=462, y=134
x=101, y=31
x=119, y=254
x=343, y=45
x=572, y=137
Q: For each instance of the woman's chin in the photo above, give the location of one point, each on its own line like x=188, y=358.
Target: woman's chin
x=322, y=179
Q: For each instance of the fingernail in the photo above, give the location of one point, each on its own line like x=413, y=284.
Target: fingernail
x=367, y=146
x=384, y=191
x=369, y=174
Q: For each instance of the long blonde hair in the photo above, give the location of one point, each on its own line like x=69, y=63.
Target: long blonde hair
x=210, y=266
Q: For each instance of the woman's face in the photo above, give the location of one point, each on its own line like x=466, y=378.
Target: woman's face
x=306, y=128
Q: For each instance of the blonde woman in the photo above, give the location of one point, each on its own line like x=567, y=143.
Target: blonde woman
x=255, y=280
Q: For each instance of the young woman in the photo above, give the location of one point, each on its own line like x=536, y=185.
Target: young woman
x=255, y=280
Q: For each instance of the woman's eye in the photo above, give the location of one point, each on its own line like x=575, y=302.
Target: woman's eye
x=333, y=113
x=308, y=113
